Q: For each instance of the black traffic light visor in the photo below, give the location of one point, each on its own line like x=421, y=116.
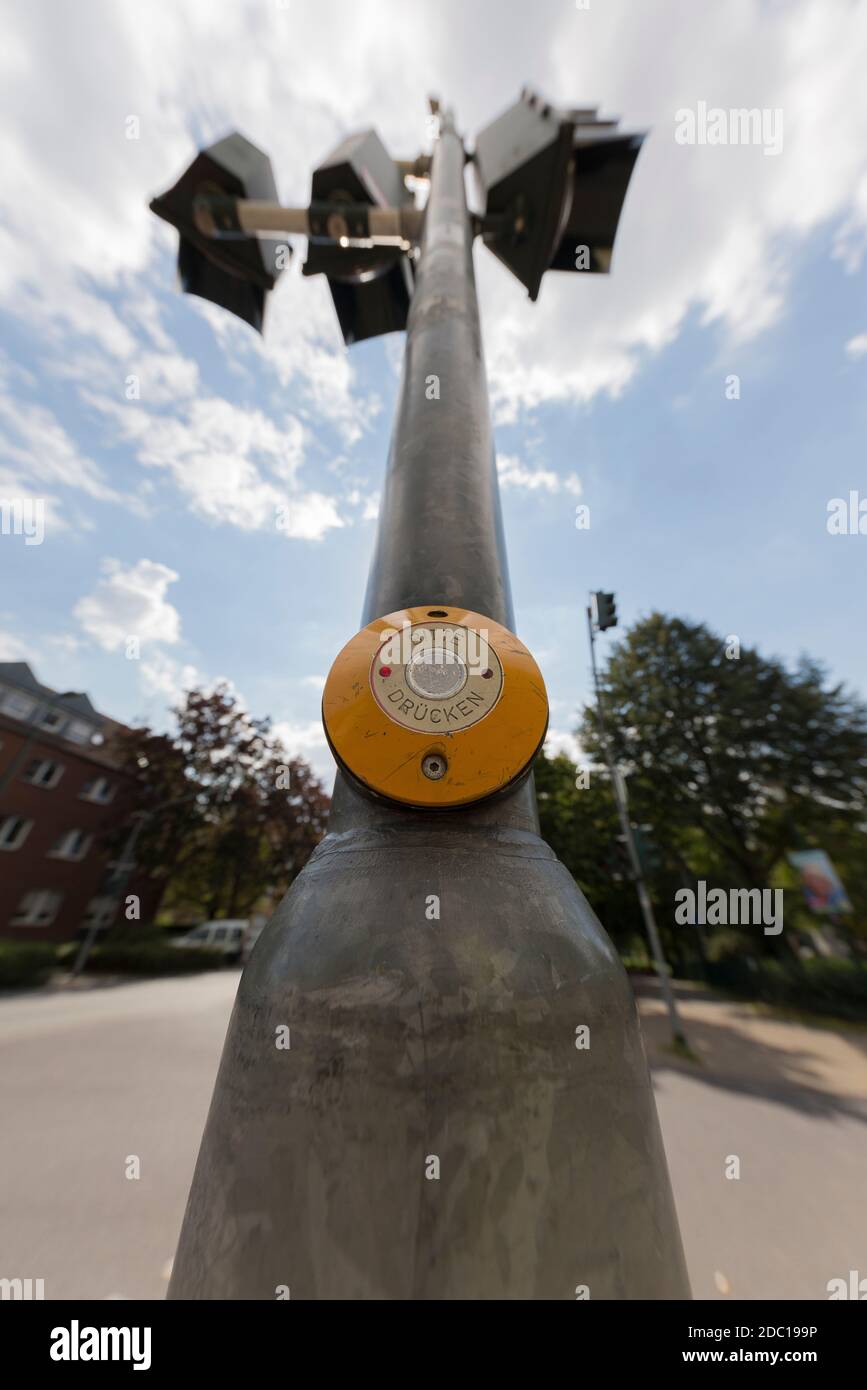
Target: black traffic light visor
x=235, y=274
x=553, y=180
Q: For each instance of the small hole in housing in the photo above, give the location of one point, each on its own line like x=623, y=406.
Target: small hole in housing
x=438, y=613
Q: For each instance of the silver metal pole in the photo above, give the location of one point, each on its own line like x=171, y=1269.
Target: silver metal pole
x=402, y=1109
x=659, y=961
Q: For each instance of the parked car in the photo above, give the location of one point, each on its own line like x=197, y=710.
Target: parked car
x=226, y=936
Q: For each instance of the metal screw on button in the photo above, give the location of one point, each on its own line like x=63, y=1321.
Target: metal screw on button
x=434, y=766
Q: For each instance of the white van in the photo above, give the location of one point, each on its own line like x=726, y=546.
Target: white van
x=226, y=936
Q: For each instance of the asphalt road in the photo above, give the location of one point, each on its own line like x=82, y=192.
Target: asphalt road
x=92, y=1079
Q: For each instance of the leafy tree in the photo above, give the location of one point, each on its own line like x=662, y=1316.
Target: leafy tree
x=582, y=827
x=231, y=818
x=757, y=758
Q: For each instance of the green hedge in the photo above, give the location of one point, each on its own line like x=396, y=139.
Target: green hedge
x=25, y=964
x=819, y=985
x=151, y=958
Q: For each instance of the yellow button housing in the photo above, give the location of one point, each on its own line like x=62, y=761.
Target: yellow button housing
x=435, y=707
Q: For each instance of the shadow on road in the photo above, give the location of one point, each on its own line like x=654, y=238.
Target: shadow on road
x=820, y=1071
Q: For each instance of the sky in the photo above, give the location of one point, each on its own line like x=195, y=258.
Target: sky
x=708, y=498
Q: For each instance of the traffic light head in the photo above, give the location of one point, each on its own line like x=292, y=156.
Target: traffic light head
x=604, y=610
x=371, y=286
x=557, y=179
x=235, y=274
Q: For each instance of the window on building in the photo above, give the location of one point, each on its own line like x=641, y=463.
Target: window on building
x=42, y=772
x=51, y=719
x=79, y=732
x=37, y=909
x=16, y=704
x=72, y=844
x=100, y=789
x=100, y=912
x=14, y=831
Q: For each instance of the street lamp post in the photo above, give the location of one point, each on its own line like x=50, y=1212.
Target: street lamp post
x=122, y=874
x=620, y=800
x=123, y=871
x=433, y=1084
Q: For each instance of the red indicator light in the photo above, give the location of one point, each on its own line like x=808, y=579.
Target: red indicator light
x=385, y=670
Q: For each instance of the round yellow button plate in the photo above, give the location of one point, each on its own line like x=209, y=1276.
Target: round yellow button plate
x=435, y=707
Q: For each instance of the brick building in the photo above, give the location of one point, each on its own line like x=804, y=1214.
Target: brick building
x=62, y=794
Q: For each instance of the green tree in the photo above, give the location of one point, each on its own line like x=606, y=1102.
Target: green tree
x=755, y=757
x=233, y=818
x=581, y=826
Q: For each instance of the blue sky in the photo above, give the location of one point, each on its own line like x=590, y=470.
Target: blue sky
x=609, y=393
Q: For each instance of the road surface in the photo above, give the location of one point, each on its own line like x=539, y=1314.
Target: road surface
x=92, y=1080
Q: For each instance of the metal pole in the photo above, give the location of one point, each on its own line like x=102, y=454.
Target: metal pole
x=440, y=537
x=659, y=961
x=402, y=1109
x=126, y=864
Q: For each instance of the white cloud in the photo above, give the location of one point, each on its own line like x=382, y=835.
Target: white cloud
x=160, y=377
x=560, y=741
x=309, y=515
x=306, y=740
x=857, y=346
x=147, y=377
x=60, y=647
x=144, y=309
x=513, y=473
x=162, y=675
x=130, y=602
x=303, y=347
x=234, y=465
x=14, y=648
x=35, y=441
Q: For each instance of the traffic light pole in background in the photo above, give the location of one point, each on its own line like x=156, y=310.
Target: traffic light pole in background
x=605, y=616
x=433, y=1084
